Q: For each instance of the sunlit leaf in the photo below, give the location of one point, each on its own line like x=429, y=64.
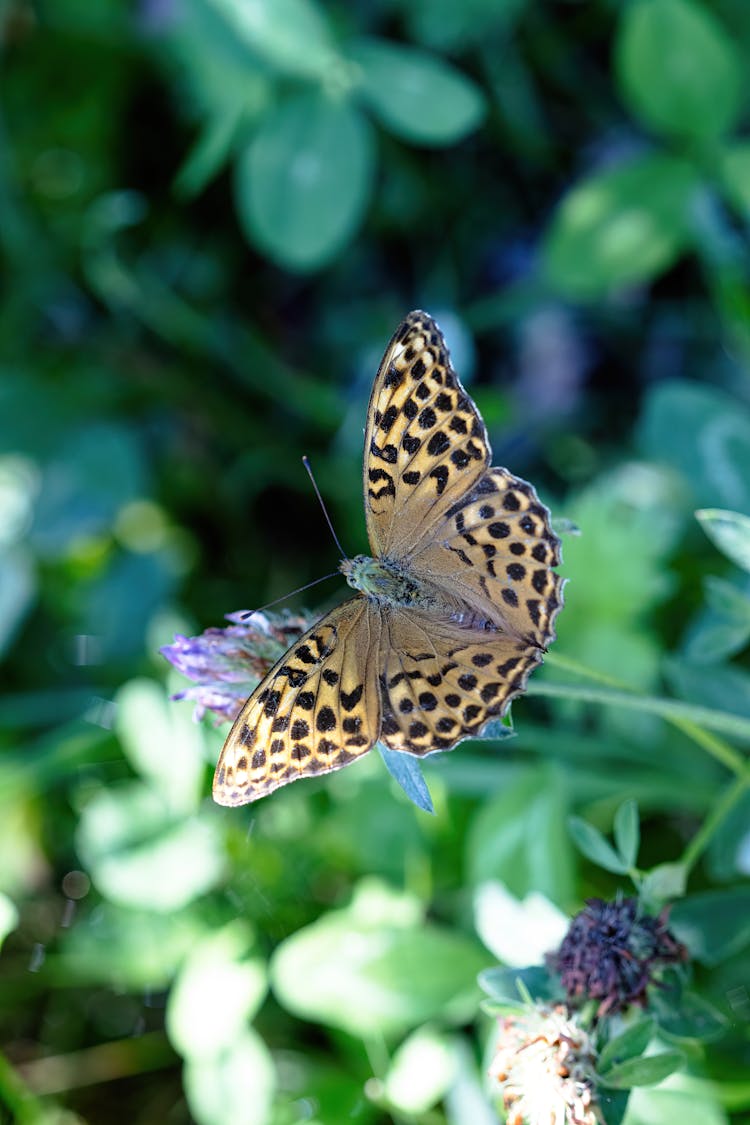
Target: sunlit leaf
x=620, y=227
x=417, y=95
x=678, y=69
x=303, y=181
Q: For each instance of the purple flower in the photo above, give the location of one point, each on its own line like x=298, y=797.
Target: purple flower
x=227, y=664
x=612, y=952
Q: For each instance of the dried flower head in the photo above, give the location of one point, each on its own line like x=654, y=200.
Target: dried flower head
x=227, y=664
x=612, y=952
x=545, y=1064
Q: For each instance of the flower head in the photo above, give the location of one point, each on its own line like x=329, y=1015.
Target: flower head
x=545, y=1062
x=226, y=664
x=612, y=951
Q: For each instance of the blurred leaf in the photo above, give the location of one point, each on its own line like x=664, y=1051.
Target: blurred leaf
x=140, y=853
x=416, y=95
x=663, y=883
x=713, y=924
x=726, y=689
x=620, y=227
x=447, y=26
x=730, y=531
x=591, y=843
x=685, y=1099
x=518, y=837
x=704, y=433
x=17, y=591
x=728, y=856
x=161, y=742
x=376, y=979
x=686, y=1015
x=630, y=1043
x=94, y=471
x=501, y=985
x=291, y=35
x=734, y=168
x=420, y=1072
x=627, y=832
x=647, y=1070
x=407, y=771
x=304, y=179
x=217, y=993
x=726, y=599
x=678, y=69
x=208, y=155
x=233, y=1087
x=137, y=949
x=8, y=917
x=723, y=627
x=517, y=932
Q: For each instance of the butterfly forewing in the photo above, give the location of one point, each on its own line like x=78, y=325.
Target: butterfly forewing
x=425, y=443
x=316, y=710
x=495, y=548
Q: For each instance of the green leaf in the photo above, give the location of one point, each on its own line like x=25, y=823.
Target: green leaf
x=726, y=599
x=141, y=853
x=663, y=883
x=8, y=917
x=620, y=227
x=303, y=181
x=138, y=948
x=595, y=847
x=627, y=832
x=519, y=837
x=217, y=993
x=704, y=433
x=678, y=69
x=730, y=531
x=416, y=95
x=714, y=925
x=376, y=979
x=685, y=1015
x=647, y=1070
x=145, y=723
x=291, y=35
x=627, y=1045
x=233, y=1087
x=407, y=772
x=420, y=1072
x=501, y=984
x=734, y=170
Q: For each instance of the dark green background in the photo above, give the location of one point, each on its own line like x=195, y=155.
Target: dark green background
x=213, y=214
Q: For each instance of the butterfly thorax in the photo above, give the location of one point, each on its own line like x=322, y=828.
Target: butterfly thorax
x=389, y=581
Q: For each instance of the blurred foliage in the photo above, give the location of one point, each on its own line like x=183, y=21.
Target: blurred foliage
x=214, y=213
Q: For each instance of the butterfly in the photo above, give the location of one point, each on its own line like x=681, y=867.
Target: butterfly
x=453, y=610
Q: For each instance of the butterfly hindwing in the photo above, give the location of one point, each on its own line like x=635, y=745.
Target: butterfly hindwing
x=425, y=443
x=316, y=710
x=441, y=683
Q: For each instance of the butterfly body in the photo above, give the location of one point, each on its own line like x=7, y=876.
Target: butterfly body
x=388, y=581
x=454, y=608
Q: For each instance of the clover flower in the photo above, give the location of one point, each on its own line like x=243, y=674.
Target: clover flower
x=227, y=664
x=612, y=953
x=545, y=1064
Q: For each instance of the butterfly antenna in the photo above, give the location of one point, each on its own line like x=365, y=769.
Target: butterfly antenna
x=250, y=612
x=306, y=463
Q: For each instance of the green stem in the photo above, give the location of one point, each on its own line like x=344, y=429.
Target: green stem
x=685, y=717
x=670, y=709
